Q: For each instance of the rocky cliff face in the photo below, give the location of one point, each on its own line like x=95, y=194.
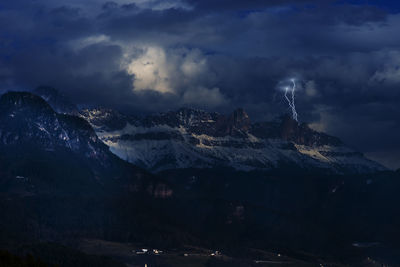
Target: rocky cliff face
x=287, y=129
x=189, y=138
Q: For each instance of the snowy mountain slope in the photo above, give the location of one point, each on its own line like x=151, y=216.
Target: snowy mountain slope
x=27, y=119
x=191, y=138
x=47, y=152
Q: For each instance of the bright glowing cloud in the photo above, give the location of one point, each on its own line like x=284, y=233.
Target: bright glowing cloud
x=168, y=71
x=151, y=71
x=181, y=72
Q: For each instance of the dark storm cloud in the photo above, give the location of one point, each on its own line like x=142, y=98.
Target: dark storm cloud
x=303, y=28
x=146, y=56
x=224, y=5
x=127, y=21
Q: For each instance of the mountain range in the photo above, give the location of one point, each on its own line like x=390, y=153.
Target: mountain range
x=188, y=178
x=189, y=138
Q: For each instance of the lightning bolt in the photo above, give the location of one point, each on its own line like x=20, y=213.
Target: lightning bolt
x=291, y=101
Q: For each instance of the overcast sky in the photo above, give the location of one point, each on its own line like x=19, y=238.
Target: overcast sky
x=144, y=56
